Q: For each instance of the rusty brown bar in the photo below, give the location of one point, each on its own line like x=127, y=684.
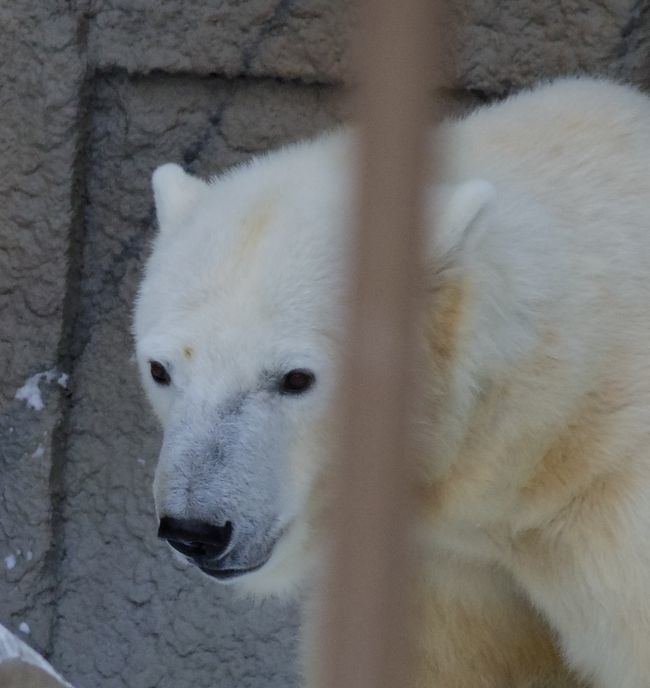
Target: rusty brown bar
x=366, y=616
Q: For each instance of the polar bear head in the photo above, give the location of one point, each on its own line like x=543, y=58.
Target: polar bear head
x=238, y=328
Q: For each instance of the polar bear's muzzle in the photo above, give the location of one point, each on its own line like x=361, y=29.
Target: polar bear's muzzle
x=221, y=486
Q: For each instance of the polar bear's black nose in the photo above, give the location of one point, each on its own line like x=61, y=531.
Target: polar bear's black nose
x=196, y=539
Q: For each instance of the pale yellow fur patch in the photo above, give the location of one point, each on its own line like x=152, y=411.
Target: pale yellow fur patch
x=253, y=228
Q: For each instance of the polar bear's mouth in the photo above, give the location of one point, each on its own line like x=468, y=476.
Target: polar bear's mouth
x=224, y=575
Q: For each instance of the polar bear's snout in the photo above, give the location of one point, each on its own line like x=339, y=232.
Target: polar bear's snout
x=218, y=487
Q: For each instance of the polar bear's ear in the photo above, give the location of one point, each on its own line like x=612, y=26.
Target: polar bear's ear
x=456, y=208
x=175, y=194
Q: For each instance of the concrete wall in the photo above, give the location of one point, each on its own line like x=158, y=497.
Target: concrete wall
x=94, y=94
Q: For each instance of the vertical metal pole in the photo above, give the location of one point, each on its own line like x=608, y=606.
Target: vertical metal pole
x=368, y=606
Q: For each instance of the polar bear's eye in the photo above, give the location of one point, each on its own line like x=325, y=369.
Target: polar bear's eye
x=159, y=373
x=297, y=381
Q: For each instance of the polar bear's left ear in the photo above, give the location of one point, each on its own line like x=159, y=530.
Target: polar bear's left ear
x=175, y=194
x=456, y=208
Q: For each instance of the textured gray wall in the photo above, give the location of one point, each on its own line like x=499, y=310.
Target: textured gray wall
x=93, y=95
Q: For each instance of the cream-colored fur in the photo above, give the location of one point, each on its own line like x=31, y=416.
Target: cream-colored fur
x=534, y=428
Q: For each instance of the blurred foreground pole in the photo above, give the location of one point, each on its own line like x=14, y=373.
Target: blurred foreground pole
x=368, y=595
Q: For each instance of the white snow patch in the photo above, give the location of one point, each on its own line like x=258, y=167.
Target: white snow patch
x=30, y=392
x=10, y=562
x=24, y=628
x=39, y=453
x=142, y=462
x=29, y=555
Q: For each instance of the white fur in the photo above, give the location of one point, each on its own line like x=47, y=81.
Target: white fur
x=535, y=422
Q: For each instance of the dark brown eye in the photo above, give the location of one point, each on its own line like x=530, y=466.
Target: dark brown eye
x=297, y=381
x=159, y=373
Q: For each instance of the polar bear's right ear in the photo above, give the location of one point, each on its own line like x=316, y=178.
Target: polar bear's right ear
x=456, y=208
x=175, y=193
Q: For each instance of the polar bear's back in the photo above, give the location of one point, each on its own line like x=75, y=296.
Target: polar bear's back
x=591, y=133
x=577, y=150
x=581, y=146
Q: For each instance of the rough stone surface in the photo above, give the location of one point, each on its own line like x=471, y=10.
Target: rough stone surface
x=301, y=39
x=39, y=134
x=41, y=75
x=634, y=57
x=495, y=46
x=94, y=94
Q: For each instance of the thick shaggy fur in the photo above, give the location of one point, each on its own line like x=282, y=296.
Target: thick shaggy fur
x=534, y=429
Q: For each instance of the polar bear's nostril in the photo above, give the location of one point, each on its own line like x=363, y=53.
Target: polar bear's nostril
x=196, y=539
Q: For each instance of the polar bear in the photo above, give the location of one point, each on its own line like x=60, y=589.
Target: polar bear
x=534, y=424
